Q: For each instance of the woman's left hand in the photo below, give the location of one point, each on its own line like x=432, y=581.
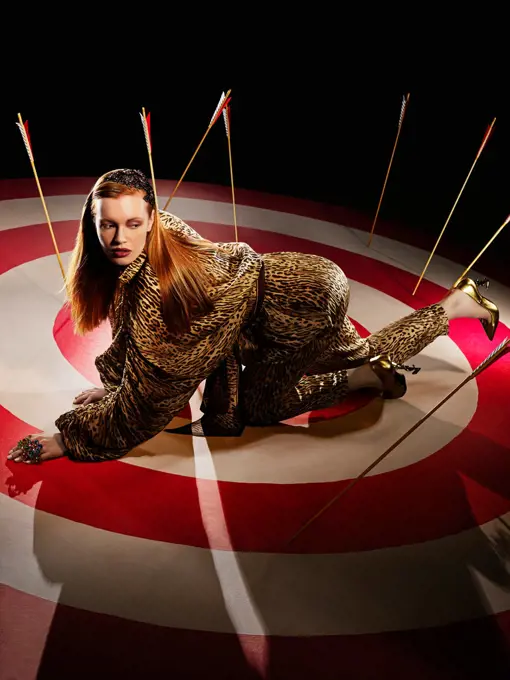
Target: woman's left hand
x=52, y=447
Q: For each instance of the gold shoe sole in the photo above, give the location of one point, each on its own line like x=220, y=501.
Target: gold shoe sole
x=394, y=384
x=469, y=287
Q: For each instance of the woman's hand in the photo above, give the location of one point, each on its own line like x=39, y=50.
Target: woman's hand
x=52, y=447
x=88, y=396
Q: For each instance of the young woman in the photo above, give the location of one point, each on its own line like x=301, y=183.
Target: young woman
x=184, y=309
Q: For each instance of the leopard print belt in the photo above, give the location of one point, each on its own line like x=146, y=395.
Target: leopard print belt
x=248, y=336
x=259, y=299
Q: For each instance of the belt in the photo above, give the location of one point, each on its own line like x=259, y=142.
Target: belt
x=249, y=330
x=261, y=291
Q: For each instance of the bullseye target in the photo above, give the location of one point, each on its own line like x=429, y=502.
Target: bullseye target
x=159, y=538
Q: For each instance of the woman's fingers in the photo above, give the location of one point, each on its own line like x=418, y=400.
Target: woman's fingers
x=94, y=395
x=89, y=398
x=16, y=453
x=83, y=395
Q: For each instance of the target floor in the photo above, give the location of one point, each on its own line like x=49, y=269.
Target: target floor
x=175, y=560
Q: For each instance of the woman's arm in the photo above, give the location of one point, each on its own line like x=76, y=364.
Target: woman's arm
x=110, y=364
x=139, y=408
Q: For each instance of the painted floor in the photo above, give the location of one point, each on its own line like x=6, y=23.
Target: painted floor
x=174, y=561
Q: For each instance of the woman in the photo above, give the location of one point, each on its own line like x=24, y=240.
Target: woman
x=184, y=309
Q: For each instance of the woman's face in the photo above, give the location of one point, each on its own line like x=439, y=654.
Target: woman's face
x=122, y=225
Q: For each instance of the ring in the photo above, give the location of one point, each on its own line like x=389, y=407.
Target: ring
x=30, y=449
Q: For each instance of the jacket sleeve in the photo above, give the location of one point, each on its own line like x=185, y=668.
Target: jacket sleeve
x=110, y=364
x=140, y=407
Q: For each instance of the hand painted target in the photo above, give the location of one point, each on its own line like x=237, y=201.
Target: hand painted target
x=445, y=490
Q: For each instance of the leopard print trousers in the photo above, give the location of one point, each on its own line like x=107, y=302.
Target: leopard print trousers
x=272, y=392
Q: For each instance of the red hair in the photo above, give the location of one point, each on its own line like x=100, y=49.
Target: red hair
x=177, y=261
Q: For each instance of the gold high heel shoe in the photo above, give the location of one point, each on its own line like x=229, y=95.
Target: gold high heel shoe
x=470, y=287
x=394, y=384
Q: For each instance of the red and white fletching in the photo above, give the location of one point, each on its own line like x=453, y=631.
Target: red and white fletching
x=26, y=139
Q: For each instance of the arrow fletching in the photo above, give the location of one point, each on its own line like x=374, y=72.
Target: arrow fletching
x=224, y=101
x=26, y=139
x=486, y=137
x=217, y=109
x=146, y=130
x=402, y=110
x=226, y=118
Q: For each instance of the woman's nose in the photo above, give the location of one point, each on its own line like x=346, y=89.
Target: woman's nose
x=120, y=235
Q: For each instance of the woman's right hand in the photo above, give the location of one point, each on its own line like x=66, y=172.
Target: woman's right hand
x=89, y=396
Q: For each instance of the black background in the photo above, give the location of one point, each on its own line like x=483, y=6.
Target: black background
x=309, y=140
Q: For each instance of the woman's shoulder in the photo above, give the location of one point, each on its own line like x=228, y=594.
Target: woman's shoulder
x=230, y=249
x=170, y=221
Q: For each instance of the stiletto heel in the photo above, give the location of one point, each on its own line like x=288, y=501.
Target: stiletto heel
x=470, y=287
x=412, y=369
x=394, y=384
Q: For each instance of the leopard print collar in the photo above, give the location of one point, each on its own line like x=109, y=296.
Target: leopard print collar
x=132, y=269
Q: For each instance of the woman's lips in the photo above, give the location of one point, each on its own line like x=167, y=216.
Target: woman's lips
x=120, y=253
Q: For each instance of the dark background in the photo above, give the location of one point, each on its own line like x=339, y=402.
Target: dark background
x=328, y=144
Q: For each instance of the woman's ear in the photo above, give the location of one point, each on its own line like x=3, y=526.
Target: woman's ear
x=151, y=220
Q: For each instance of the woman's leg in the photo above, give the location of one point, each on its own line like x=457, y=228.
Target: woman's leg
x=408, y=336
x=401, y=340
x=275, y=392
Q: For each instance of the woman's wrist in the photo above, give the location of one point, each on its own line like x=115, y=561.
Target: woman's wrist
x=60, y=441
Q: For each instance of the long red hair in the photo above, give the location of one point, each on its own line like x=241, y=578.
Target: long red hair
x=177, y=261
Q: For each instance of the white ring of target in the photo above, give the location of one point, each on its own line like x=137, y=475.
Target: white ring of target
x=182, y=586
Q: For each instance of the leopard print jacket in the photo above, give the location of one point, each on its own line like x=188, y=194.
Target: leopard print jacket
x=150, y=374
